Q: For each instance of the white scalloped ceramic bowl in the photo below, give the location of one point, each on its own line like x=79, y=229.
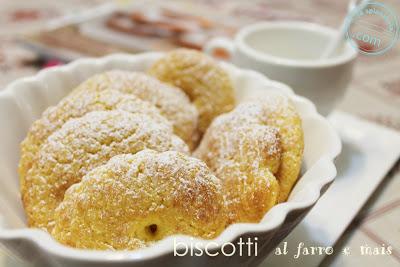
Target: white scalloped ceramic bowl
x=24, y=101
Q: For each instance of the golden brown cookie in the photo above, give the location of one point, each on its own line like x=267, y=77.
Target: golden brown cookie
x=244, y=156
x=201, y=78
x=137, y=199
x=278, y=111
x=262, y=136
x=249, y=195
x=75, y=106
x=171, y=101
x=79, y=146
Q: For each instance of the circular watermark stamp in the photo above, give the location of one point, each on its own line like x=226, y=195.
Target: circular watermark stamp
x=372, y=28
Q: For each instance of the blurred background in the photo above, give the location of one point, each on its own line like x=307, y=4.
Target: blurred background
x=45, y=33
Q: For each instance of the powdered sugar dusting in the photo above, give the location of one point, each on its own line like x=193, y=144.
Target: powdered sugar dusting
x=239, y=140
x=201, y=78
x=84, y=143
x=171, y=101
x=249, y=149
x=75, y=106
x=171, y=190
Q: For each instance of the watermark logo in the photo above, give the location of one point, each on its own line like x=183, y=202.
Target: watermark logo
x=373, y=28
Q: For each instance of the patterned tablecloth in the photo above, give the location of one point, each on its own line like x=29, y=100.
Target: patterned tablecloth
x=374, y=93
